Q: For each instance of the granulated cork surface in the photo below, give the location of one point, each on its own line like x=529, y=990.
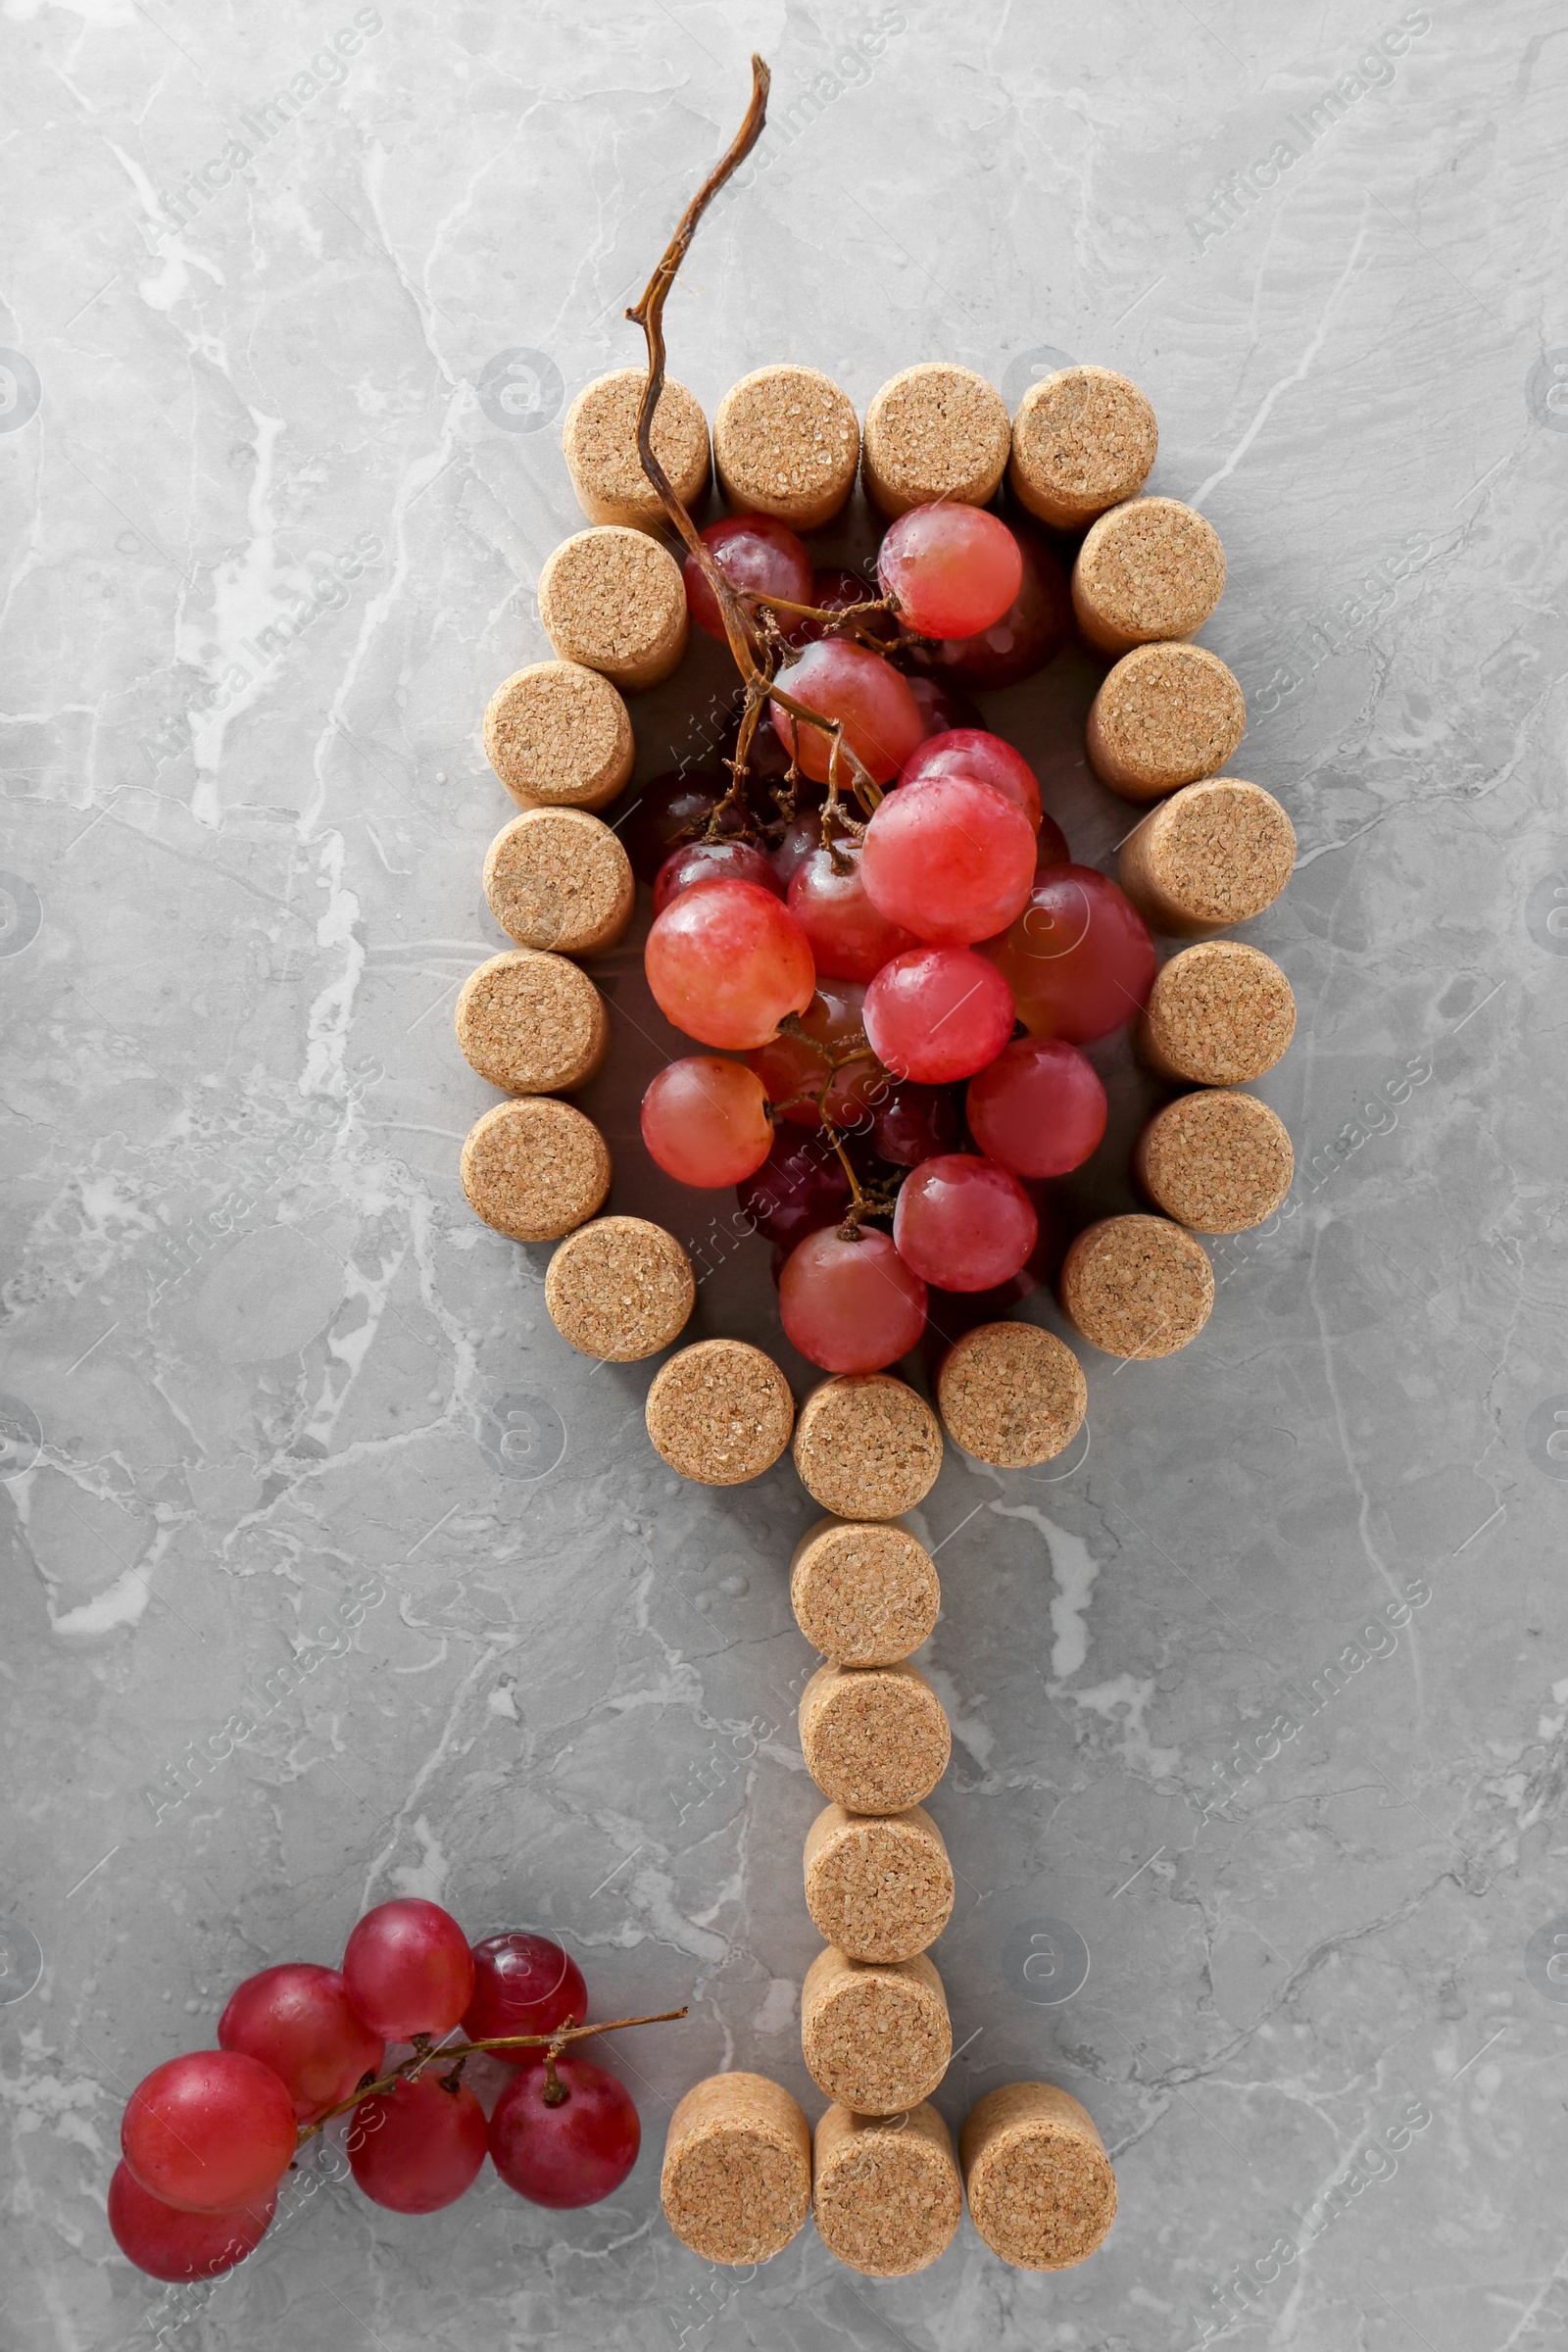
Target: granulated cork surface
x=720, y=1412
x=1041, y=2192
x=935, y=431
x=532, y=1023
x=1166, y=715
x=620, y=1289
x=1148, y=569
x=613, y=600
x=600, y=441
x=886, y=2195
x=1083, y=440
x=736, y=2182
x=878, y=1886
x=558, y=878
x=1217, y=1015
x=1137, y=1285
x=867, y=1446
x=864, y=1593
x=875, y=1738
x=534, y=1170
x=558, y=734
x=1215, y=854
x=1216, y=1161
x=786, y=443
x=1011, y=1393
x=875, y=2038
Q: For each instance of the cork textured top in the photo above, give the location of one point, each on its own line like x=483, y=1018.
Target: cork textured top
x=786, y=436
x=720, y=1412
x=535, y=1168
x=1083, y=439
x=620, y=1289
x=611, y=597
x=1041, y=2192
x=878, y=1886
x=1166, y=715
x=559, y=733
x=1215, y=853
x=867, y=1446
x=1217, y=1161
x=936, y=431
x=600, y=441
x=887, y=2194
x=1217, y=1015
x=736, y=2181
x=1011, y=1395
x=531, y=1023
x=875, y=1738
x=1137, y=1285
x=865, y=1593
x=559, y=878
x=1151, y=567
x=875, y=2038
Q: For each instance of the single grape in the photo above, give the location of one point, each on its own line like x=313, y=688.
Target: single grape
x=975, y=752
x=1079, y=959
x=793, y=1069
x=1033, y=630
x=418, y=2147
x=1039, y=1109
x=850, y=939
x=937, y=1015
x=210, y=2130
x=168, y=2242
x=871, y=698
x=727, y=961
x=954, y=569
x=755, y=553
x=575, y=2151
x=408, y=1969
x=298, y=2020
x=912, y=1123
x=732, y=860
x=963, y=1223
x=670, y=811
x=800, y=1188
x=522, y=1983
x=941, y=707
x=704, y=1121
x=953, y=861
x=799, y=837
x=851, y=1306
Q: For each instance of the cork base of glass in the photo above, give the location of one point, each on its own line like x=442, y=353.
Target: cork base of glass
x=532, y=1023
x=1041, y=2189
x=887, y=2195
x=614, y=601
x=736, y=2180
x=875, y=2038
x=1217, y=1015
x=1166, y=715
x=1214, y=855
x=558, y=736
x=1218, y=1161
x=935, y=431
x=875, y=1738
x=866, y=1445
x=1149, y=569
x=1137, y=1286
x=600, y=442
x=864, y=1593
x=880, y=1887
x=720, y=1412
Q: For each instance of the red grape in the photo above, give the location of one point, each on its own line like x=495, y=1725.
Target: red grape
x=671, y=810
x=851, y=1306
x=168, y=2242
x=755, y=554
x=799, y=837
x=704, y=1121
x=408, y=1969
x=1030, y=633
x=850, y=940
x=973, y=751
x=1039, y=1109
x=731, y=861
x=941, y=707
x=938, y=1013
x=297, y=2020
x=523, y=1983
x=914, y=1123
x=963, y=1223
x=793, y=1070
x=954, y=569
x=836, y=591
x=570, y=2154
x=953, y=861
x=1079, y=959
x=418, y=2147
x=800, y=1188
x=871, y=698
x=210, y=2130
x=727, y=962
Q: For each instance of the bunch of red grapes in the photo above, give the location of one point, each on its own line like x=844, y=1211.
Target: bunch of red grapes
x=207, y=2138
x=916, y=989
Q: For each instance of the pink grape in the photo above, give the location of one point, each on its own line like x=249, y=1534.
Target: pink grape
x=850, y=939
x=954, y=569
x=408, y=1969
x=712, y=861
x=727, y=961
x=851, y=1306
x=963, y=1223
x=938, y=1013
x=1039, y=1109
x=974, y=752
x=208, y=2132
x=704, y=1121
x=522, y=1983
x=1032, y=632
x=418, y=2147
x=298, y=2020
x=755, y=553
x=871, y=698
x=953, y=861
x=800, y=1188
x=793, y=1070
x=914, y=1123
x=571, y=2154
x=168, y=2242
x=942, y=707
x=1079, y=959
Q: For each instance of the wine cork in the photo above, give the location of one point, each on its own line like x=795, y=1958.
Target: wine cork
x=863, y=1594
x=1214, y=854
x=878, y=1886
x=558, y=736
x=1083, y=440
x=534, y=1170
x=532, y=1023
x=1011, y=1395
x=720, y=1412
x=866, y=1446
x=933, y=432
x=621, y=1289
x=1217, y=1161
x=875, y=1738
x=1148, y=569
x=875, y=2038
x=1217, y=1015
x=886, y=2193
x=736, y=2182
x=613, y=600
x=1166, y=715
x=600, y=441
x=1041, y=2192
x=558, y=878
x=786, y=443
x=1137, y=1285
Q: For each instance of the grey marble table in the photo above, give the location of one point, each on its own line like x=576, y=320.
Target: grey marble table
x=330, y=1573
